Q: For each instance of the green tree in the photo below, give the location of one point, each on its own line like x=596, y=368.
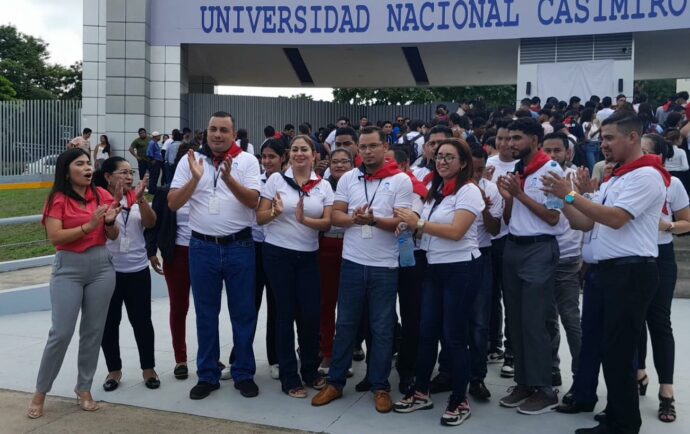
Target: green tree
x=657, y=91
x=24, y=62
x=7, y=92
x=302, y=96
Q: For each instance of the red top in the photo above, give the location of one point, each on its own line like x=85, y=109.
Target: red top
x=72, y=214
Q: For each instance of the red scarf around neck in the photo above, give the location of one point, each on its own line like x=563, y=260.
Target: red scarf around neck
x=449, y=187
x=358, y=160
x=428, y=178
x=645, y=161
x=309, y=185
x=389, y=168
x=233, y=152
x=540, y=158
x=418, y=186
x=131, y=198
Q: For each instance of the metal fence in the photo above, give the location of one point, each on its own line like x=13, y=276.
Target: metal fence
x=33, y=133
x=254, y=113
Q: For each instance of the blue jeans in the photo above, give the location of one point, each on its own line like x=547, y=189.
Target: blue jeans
x=593, y=153
x=447, y=303
x=210, y=265
x=294, y=278
x=377, y=288
x=587, y=378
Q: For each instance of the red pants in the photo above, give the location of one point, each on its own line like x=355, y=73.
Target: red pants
x=177, y=277
x=330, y=257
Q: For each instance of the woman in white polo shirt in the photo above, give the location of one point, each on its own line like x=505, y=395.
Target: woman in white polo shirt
x=659, y=311
x=448, y=232
x=132, y=276
x=295, y=207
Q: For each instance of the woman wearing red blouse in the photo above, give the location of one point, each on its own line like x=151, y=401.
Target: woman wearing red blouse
x=78, y=218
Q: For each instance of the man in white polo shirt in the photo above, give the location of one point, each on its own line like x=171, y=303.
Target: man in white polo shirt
x=364, y=204
x=529, y=268
x=623, y=218
x=221, y=184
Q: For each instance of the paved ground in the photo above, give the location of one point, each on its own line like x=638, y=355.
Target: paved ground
x=31, y=276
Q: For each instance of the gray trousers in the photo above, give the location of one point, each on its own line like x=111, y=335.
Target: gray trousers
x=528, y=280
x=566, y=304
x=80, y=282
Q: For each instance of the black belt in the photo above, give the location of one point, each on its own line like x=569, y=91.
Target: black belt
x=531, y=240
x=244, y=234
x=626, y=260
x=485, y=250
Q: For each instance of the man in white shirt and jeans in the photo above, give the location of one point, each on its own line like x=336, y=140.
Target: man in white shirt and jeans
x=623, y=218
x=222, y=185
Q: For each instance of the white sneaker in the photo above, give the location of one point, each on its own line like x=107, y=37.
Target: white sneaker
x=275, y=372
x=225, y=374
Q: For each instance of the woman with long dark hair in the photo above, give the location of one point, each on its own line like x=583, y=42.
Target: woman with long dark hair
x=449, y=237
x=297, y=204
x=243, y=141
x=78, y=218
x=102, y=151
x=132, y=275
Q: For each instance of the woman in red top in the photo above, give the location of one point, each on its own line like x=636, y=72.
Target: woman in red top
x=78, y=218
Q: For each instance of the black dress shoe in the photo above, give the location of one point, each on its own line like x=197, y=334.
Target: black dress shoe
x=556, y=379
x=573, y=407
x=441, y=383
x=479, y=391
x=202, y=390
x=110, y=384
x=600, y=417
x=247, y=388
x=363, y=386
x=181, y=372
x=152, y=383
x=358, y=354
x=599, y=429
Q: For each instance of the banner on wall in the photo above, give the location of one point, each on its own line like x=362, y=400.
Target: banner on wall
x=332, y=22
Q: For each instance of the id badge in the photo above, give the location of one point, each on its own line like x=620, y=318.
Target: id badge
x=124, y=244
x=214, y=205
x=367, y=233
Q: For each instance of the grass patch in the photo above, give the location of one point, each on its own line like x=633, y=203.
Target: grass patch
x=23, y=241
x=17, y=203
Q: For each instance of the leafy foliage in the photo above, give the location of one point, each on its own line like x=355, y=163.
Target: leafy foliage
x=489, y=96
x=7, y=92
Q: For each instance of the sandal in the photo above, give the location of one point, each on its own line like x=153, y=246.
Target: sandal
x=298, y=392
x=35, y=410
x=86, y=404
x=318, y=383
x=667, y=411
x=112, y=383
x=642, y=384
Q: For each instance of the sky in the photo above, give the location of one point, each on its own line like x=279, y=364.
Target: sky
x=59, y=23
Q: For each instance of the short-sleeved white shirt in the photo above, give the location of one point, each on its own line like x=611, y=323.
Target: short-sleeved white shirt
x=381, y=250
x=676, y=200
x=285, y=231
x=442, y=250
x=258, y=230
x=570, y=241
x=233, y=216
x=417, y=138
x=496, y=210
x=183, y=231
x=642, y=194
x=135, y=259
x=523, y=222
x=421, y=172
x=501, y=168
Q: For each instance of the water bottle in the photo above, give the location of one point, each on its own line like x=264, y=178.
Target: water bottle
x=554, y=202
x=406, y=248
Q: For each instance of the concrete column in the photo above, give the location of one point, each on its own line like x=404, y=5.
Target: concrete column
x=94, y=68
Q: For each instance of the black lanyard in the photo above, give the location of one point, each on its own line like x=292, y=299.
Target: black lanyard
x=216, y=175
x=366, y=193
x=125, y=219
x=608, y=188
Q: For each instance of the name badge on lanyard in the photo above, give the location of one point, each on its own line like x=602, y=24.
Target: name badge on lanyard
x=367, y=233
x=214, y=201
x=124, y=239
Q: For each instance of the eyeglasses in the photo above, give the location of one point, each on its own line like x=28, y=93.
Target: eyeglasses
x=340, y=162
x=370, y=147
x=124, y=172
x=447, y=158
x=347, y=143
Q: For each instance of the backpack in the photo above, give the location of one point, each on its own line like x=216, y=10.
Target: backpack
x=410, y=145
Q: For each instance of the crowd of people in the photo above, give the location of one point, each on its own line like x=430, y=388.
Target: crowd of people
x=467, y=222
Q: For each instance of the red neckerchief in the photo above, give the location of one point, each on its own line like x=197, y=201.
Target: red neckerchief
x=667, y=106
x=389, y=168
x=233, y=152
x=540, y=158
x=449, y=187
x=646, y=161
x=131, y=198
x=309, y=185
x=428, y=178
x=358, y=160
x=417, y=186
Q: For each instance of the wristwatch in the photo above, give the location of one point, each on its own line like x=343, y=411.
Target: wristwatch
x=570, y=197
x=420, y=224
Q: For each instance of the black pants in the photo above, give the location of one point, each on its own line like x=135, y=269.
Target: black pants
x=143, y=167
x=262, y=281
x=659, y=319
x=410, y=281
x=496, y=322
x=154, y=174
x=134, y=290
x=628, y=289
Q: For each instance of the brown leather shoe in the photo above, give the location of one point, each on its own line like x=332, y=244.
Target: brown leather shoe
x=383, y=402
x=326, y=395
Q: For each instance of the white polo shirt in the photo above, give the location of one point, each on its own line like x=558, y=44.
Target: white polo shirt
x=676, y=200
x=570, y=241
x=285, y=231
x=258, y=230
x=443, y=250
x=381, y=249
x=496, y=210
x=642, y=194
x=523, y=223
x=421, y=172
x=501, y=168
x=183, y=232
x=129, y=249
x=233, y=216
